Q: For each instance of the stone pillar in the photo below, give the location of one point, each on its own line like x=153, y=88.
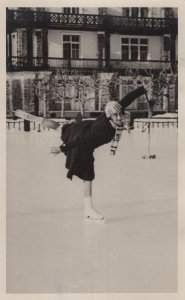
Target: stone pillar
x=9, y=50
x=8, y=37
x=22, y=81
x=107, y=50
x=45, y=47
x=172, y=50
x=101, y=47
x=30, y=46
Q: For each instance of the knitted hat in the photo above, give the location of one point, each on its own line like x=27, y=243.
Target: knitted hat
x=112, y=108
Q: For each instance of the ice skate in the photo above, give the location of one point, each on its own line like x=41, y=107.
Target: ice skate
x=90, y=214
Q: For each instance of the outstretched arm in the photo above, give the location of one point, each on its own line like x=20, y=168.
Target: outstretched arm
x=130, y=97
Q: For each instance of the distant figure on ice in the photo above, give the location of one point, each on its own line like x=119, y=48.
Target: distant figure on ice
x=81, y=138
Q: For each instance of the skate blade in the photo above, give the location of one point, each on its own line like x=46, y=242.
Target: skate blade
x=97, y=221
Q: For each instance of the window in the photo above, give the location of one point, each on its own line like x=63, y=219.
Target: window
x=143, y=49
x=40, y=8
x=134, y=41
x=134, y=53
x=134, y=49
x=24, y=8
x=75, y=51
x=168, y=12
x=71, y=10
x=66, y=10
x=166, y=44
x=102, y=10
x=134, y=12
x=144, y=12
x=125, y=11
x=143, y=53
x=71, y=46
x=125, y=48
x=38, y=43
x=125, y=52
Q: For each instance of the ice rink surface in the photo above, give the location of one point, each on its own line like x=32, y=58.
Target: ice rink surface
x=49, y=247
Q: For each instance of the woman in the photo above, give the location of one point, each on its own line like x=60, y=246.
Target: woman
x=80, y=139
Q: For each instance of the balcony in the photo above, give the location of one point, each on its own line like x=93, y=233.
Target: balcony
x=16, y=63
x=51, y=20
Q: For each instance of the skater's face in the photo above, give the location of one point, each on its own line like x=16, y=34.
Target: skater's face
x=117, y=118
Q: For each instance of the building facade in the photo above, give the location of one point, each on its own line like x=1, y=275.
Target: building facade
x=91, y=41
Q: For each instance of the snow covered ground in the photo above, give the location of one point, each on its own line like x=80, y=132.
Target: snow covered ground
x=51, y=250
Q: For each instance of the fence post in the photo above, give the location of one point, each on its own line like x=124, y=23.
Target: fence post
x=26, y=125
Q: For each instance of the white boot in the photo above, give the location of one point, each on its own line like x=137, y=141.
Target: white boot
x=90, y=213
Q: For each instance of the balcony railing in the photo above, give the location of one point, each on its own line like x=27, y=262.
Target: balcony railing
x=19, y=18
x=16, y=63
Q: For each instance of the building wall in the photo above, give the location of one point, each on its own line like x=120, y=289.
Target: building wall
x=88, y=44
x=55, y=9
x=54, y=43
x=88, y=39
x=155, y=46
x=175, y=12
x=155, y=52
x=20, y=88
x=115, y=47
x=90, y=10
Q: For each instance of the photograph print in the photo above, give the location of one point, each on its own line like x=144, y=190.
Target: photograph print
x=91, y=150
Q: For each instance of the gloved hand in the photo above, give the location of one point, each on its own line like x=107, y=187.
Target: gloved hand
x=63, y=148
x=145, y=83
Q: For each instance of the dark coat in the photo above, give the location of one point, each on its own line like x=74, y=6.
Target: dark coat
x=83, y=137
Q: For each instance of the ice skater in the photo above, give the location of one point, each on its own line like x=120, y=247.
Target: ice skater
x=82, y=137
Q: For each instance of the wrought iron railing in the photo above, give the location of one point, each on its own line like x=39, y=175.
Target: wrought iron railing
x=20, y=18
x=25, y=63
x=142, y=23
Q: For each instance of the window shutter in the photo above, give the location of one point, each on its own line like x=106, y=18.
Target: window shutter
x=166, y=45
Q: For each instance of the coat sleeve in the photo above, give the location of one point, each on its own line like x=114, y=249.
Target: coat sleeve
x=130, y=97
